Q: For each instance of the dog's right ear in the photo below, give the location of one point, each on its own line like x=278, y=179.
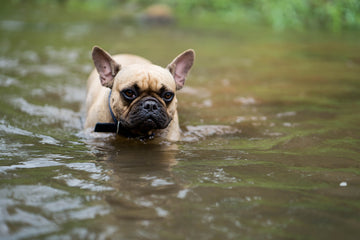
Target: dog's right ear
x=180, y=67
x=105, y=66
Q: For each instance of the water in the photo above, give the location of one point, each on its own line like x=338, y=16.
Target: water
x=270, y=148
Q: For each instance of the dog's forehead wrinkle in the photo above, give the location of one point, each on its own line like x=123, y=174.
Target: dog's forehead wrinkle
x=164, y=88
x=150, y=77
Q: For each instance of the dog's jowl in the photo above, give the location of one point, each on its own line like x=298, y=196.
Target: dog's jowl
x=128, y=95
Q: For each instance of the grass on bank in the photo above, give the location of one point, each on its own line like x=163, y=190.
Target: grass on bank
x=298, y=15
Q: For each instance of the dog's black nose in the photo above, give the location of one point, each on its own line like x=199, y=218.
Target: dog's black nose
x=151, y=106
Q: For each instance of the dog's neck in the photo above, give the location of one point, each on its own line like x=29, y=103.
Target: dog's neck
x=117, y=126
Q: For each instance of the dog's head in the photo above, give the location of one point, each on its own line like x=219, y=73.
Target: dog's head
x=143, y=95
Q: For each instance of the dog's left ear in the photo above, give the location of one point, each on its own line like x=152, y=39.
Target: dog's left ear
x=105, y=66
x=180, y=67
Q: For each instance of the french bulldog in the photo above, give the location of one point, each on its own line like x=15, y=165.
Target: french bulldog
x=130, y=96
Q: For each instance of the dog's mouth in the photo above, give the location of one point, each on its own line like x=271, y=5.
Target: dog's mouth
x=149, y=124
x=144, y=128
x=143, y=119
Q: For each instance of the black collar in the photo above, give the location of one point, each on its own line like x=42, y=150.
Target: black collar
x=108, y=127
x=116, y=126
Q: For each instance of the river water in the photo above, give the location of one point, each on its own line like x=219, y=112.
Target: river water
x=271, y=145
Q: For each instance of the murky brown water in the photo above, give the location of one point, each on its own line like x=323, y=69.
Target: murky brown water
x=270, y=149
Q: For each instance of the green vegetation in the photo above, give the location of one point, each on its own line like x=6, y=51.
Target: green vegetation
x=330, y=15
x=334, y=15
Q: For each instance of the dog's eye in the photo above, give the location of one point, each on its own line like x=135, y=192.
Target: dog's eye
x=168, y=96
x=129, y=94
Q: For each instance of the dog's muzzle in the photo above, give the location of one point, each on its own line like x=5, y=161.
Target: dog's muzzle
x=148, y=114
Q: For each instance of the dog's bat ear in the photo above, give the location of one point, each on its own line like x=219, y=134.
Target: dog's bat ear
x=105, y=66
x=180, y=67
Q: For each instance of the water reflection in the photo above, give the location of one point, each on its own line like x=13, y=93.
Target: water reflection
x=141, y=176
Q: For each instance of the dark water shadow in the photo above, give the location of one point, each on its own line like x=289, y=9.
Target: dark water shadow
x=140, y=174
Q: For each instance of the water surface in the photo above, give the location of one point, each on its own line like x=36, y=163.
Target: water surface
x=270, y=148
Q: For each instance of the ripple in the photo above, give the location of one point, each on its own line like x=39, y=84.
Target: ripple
x=245, y=100
x=7, y=63
x=194, y=133
x=49, y=160
x=6, y=81
x=39, y=209
x=50, y=70
x=50, y=114
x=285, y=114
x=63, y=54
x=182, y=193
x=38, y=163
x=28, y=195
x=10, y=148
x=160, y=183
x=161, y=212
x=196, y=92
x=31, y=195
x=36, y=224
x=89, y=213
x=7, y=128
x=12, y=25
x=76, y=31
x=88, y=167
x=82, y=184
x=219, y=176
x=97, y=172
x=240, y=119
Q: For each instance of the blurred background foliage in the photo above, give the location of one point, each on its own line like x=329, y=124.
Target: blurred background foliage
x=280, y=15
